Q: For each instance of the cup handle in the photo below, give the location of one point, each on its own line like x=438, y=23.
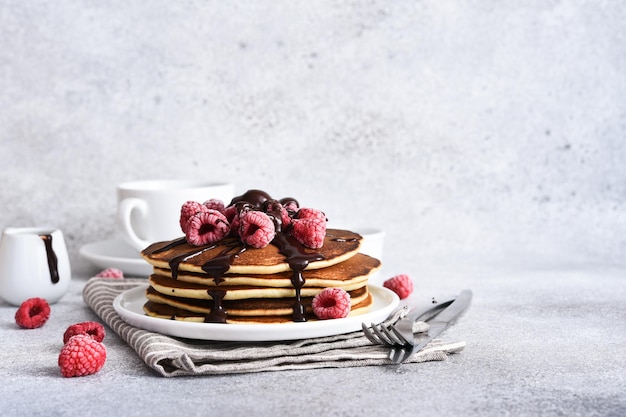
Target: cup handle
x=124, y=212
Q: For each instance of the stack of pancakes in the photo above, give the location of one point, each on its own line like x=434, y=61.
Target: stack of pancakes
x=228, y=282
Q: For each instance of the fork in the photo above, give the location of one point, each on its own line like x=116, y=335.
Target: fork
x=398, y=331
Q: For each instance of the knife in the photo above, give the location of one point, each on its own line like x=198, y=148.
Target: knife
x=437, y=325
x=422, y=311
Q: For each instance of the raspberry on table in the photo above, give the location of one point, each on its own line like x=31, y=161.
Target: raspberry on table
x=310, y=232
x=331, y=303
x=256, y=229
x=189, y=209
x=400, y=284
x=81, y=355
x=111, y=273
x=206, y=227
x=32, y=313
x=90, y=328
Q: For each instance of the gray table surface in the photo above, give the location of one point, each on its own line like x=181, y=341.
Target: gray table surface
x=540, y=341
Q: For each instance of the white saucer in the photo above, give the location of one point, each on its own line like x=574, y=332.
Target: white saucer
x=116, y=253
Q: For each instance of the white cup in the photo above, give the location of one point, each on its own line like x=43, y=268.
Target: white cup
x=149, y=211
x=372, y=245
x=373, y=241
x=33, y=263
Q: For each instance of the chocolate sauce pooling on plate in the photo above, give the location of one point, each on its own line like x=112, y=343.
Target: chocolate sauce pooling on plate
x=52, y=258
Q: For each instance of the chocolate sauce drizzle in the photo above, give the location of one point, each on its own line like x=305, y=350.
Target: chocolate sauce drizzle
x=298, y=260
x=171, y=245
x=343, y=239
x=219, y=265
x=176, y=261
x=218, y=314
x=52, y=258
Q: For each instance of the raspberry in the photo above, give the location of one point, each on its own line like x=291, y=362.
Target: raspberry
x=90, y=328
x=257, y=229
x=189, y=209
x=331, y=303
x=232, y=215
x=309, y=213
x=215, y=204
x=206, y=227
x=33, y=313
x=277, y=210
x=111, y=273
x=230, y=212
x=400, y=284
x=309, y=232
x=290, y=204
x=81, y=355
x=284, y=217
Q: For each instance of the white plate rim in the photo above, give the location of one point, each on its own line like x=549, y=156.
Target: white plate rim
x=128, y=305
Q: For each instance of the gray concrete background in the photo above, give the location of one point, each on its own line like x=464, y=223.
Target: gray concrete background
x=467, y=130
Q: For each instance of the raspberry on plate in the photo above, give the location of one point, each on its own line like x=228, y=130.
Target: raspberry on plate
x=279, y=212
x=206, y=227
x=111, y=273
x=331, y=303
x=32, y=313
x=400, y=284
x=290, y=204
x=81, y=355
x=232, y=216
x=215, y=204
x=310, y=232
x=90, y=328
x=256, y=229
x=309, y=213
x=189, y=209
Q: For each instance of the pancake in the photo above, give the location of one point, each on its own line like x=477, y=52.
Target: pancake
x=249, y=306
x=164, y=311
x=346, y=274
x=169, y=286
x=230, y=256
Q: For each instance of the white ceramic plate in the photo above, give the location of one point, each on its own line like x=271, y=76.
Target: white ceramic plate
x=116, y=253
x=129, y=305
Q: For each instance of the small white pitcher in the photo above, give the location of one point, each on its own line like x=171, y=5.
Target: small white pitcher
x=33, y=263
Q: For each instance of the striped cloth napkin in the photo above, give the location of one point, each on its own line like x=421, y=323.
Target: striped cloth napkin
x=170, y=356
